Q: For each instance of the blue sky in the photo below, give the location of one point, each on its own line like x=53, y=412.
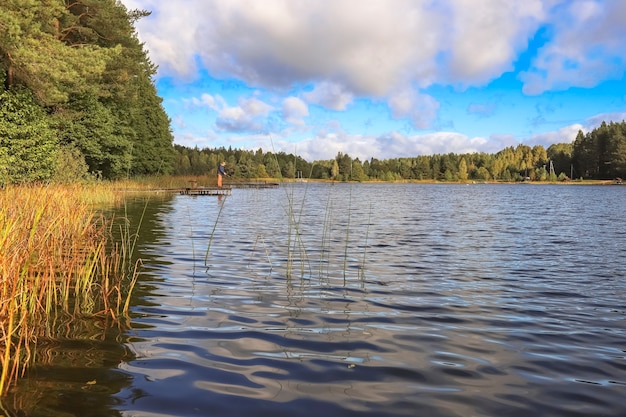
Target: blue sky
x=385, y=78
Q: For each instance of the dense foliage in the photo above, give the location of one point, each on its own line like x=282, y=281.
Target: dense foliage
x=600, y=154
x=78, y=95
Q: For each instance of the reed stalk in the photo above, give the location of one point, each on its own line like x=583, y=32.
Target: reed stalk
x=345, y=251
x=208, y=249
x=367, y=232
x=326, y=237
x=56, y=258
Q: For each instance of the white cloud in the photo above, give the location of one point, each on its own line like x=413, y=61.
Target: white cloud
x=207, y=100
x=248, y=116
x=390, y=145
x=595, y=121
x=565, y=134
x=294, y=111
x=587, y=47
x=485, y=37
x=255, y=107
x=421, y=109
x=193, y=140
x=330, y=95
x=170, y=47
x=498, y=142
x=332, y=140
x=369, y=48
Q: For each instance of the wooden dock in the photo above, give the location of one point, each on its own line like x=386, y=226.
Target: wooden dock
x=195, y=190
x=206, y=191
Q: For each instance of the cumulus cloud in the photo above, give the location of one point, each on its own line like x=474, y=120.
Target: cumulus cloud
x=248, y=116
x=597, y=120
x=330, y=95
x=207, y=100
x=368, y=49
x=295, y=110
x=421, y=109
x=566, y=134
x=486, y=37
x=586, y=49
x=327, y=144
x=255, y=107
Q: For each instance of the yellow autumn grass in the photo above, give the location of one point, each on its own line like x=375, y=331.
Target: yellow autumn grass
x=56, y=257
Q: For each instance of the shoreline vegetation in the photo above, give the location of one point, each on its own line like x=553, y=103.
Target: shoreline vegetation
x=61, y=259
x=596, y=155
x=165, y=183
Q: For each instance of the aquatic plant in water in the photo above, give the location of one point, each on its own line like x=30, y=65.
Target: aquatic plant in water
x=56, y=260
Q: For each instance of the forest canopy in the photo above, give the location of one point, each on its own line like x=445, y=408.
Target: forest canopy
x=77, y=96
x=599, y=154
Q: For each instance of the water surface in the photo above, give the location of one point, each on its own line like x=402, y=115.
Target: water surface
x=384, y=300
x=371, y=300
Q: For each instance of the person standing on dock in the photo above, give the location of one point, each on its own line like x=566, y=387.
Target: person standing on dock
x=221, y=171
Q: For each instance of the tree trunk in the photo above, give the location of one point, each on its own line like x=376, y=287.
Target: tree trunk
x=8, y=82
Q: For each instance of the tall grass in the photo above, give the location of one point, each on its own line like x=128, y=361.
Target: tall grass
x=56, y=258
x=208, y=249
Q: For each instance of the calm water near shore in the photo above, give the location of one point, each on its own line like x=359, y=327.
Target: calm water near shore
x=363, y=299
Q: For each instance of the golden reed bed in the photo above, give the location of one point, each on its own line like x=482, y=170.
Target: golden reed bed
x=57, y=258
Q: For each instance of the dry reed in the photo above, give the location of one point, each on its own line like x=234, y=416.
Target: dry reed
x=56, y=258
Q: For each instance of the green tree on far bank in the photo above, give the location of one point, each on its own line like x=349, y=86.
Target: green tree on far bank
x=601, y=153
x=511, y=164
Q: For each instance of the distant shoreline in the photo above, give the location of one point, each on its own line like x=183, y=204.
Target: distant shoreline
x=474, y=182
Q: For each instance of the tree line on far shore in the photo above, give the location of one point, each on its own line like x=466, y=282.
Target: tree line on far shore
x=599, y=154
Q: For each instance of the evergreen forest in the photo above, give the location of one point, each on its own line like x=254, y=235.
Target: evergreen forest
x=599, y=154
x=78, y=101
x=77, y=96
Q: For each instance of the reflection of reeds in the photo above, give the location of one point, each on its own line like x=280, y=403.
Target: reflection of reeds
x=55, y=260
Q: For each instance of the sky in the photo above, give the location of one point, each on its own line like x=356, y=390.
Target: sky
x=385, y=78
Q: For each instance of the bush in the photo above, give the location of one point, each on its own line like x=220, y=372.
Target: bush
x=28, y=144
x=71, y=166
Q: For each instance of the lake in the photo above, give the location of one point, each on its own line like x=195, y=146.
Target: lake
x=361, y=300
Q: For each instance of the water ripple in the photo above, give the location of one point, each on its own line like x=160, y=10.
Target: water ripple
x=451, y=301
